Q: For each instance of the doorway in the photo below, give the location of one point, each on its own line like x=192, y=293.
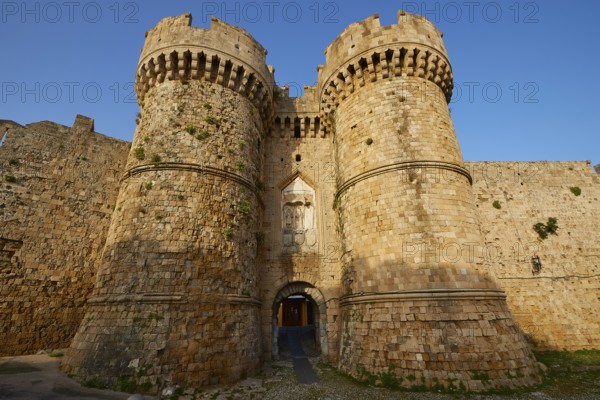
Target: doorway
x=299, y=321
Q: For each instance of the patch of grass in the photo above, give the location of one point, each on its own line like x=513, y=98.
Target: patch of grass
x=480, y=375
x=94, y=383
x=240, y=166
x=155, y=159
x=190, y=129
x=228, y=232
x=244, y=207
x=139, y=153
x=148, y=185
x=10, y=178
x=56, y=354
x=211, y=119
x=571, y=372
x=202, y=135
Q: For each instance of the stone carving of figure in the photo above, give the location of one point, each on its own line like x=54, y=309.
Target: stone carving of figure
x=288, y=216
x=298, y=216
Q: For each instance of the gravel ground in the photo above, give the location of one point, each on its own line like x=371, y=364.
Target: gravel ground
x=280, y=383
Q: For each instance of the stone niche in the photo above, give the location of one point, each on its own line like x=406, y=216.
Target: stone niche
x=299, y=227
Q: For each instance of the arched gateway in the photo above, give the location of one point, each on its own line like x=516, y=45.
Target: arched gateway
x=300, y=304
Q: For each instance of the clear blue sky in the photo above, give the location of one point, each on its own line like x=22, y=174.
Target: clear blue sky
x=525, y=70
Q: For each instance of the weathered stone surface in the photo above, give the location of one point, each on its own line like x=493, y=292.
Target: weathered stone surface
x=54, y=215
x=234, y=196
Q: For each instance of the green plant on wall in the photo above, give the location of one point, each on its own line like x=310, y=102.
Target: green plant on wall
x=260, y=238
x=190, y=129
x=496, y=204
x=576, y=190
x=139, y=153
x=550, y=227
x=10, y=178
x=210, y=119
x=155, y=159
x=202, y=135
x=244, y=207
x=258, y=183
x=228, y=232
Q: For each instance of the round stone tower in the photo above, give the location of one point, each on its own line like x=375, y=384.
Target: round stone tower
x=419, y=308
x=175, y=300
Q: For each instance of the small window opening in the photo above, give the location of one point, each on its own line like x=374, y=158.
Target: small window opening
x=297, y=131
x=298, y=158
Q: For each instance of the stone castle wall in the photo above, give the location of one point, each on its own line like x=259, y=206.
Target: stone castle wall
x=304, y=258
x=555, y=307
x=53, y=223
x=234, y=195
x=176, y=295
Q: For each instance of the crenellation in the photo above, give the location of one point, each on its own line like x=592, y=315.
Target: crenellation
x=182, y=258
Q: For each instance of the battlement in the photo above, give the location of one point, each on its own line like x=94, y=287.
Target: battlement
x=297, y=117
x=366, y=52
x=177, y=31
x=368, y=34
x=223, y=54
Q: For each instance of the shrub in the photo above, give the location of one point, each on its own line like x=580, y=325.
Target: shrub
x=549, y=227
x=575, y=190
x=139, y=153
x=155, y=159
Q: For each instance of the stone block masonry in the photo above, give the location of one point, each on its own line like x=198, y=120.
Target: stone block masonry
x=167, y=261
x=57, y=195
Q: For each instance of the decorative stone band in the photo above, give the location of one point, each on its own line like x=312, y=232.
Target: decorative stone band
x=406, y=59
x=399, y=166
x=181, y=63
x=202, y=169
x=428, y=294
x=162, y=298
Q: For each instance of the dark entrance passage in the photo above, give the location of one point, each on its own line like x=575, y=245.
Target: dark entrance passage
x=296, y=310
x=296, y=327
x=297, y=335
x=299, y=321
